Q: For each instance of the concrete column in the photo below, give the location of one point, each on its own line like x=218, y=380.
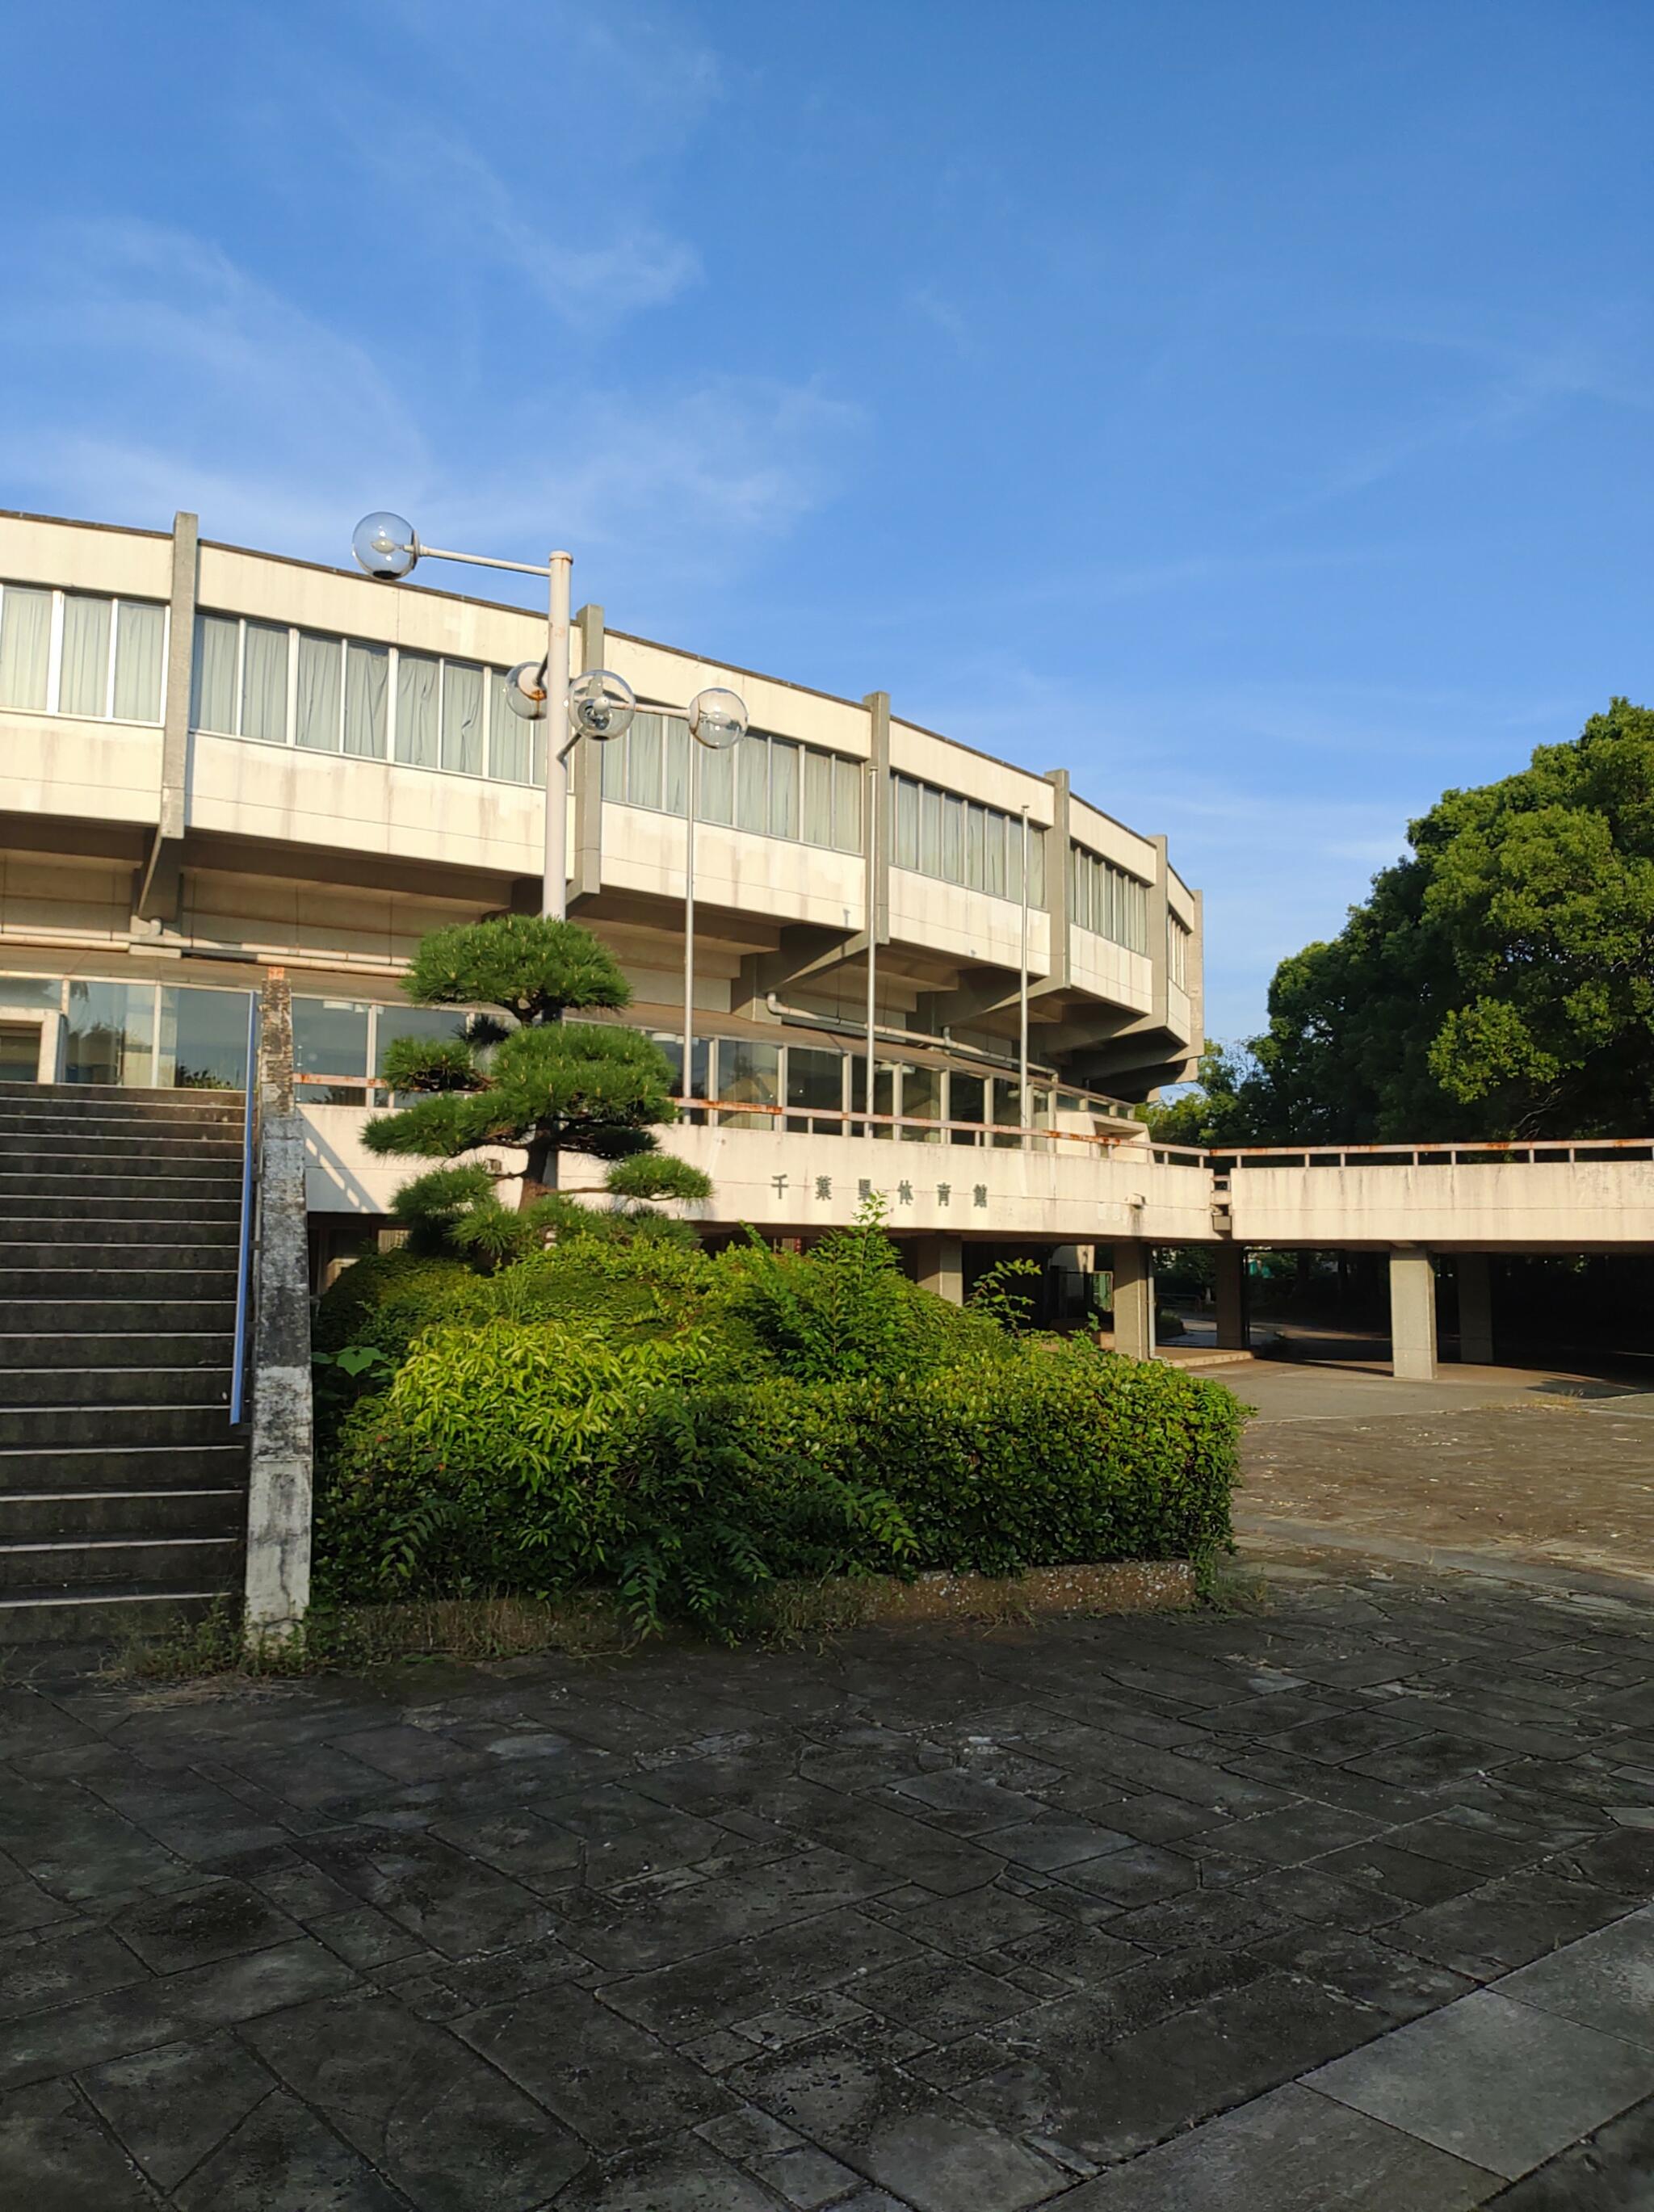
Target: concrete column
x=877, y=837
x=940, y=1266
x=1057, y=839
x=586, y=772
x=281, y=1458
x=1475, y=1308
x=1412, y=1314
x=1133, y=1300
x=1234, y=1322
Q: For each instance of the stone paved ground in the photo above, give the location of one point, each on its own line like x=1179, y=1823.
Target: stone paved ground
x=1346, y=1903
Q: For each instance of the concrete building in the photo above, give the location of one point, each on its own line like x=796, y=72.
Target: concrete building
x=217, y=762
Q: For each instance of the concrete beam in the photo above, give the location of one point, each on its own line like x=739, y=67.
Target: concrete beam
x=1475, y=1308
x=1234, y=1322
x=281, y=1458
x=1133, y=1299
x=940, y=1266
x=1412, y=1314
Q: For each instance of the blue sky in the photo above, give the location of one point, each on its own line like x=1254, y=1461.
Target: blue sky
x=1246, y=407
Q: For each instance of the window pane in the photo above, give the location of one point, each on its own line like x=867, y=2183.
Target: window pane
x=330, y=1037
x=965, y=1102
x=215, y=639
x=953, y=839
x=264, y=682
x=675, y=795
x=883, y=1095
x=614, y=766
x=438, y=1024
x=930, y=830
x=815, y=1077
x=975, y=862
x=847, y=779
x=507, y=735
x=749, y=1073
x=462, y=718
x=715, y=781
x=994, y=829
x=138, y=631
x=643, y=761
x=45, y=992
x=317, y=720
x=905, y=843
x=815, y=817
x=921, y=1097
x=25, y=646
x=84, y=684
x=783, y=788
x=1036, y=866
x=109, y=1035
x=203, y=1041
x=367, y=690
x=751, y=782
x=1014, y=834
x=416, y=710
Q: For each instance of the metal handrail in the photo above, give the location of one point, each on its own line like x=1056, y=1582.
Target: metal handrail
x=1521, y=1151
x=244, y=1248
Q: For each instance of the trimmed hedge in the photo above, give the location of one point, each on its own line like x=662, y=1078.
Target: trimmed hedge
x=537, y=1456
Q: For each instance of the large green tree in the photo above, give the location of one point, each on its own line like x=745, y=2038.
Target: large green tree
x=522, y=1075
x=1500, y=981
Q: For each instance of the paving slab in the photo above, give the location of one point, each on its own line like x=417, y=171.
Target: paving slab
x=1500, y=2084
x=1604, y=1981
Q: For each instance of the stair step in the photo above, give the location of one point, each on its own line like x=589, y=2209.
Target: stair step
x=29, y=1469
x=134, y=1562
x=22, y=1387
x=118, y=1348
x=105, y=1616
x=126, y=1284
x=156, y=1189
x=25, y=1427
x=178, y=1243
x=47, y=1125
x=71, y=1315
x=69, y=1516
x=76, y=1201
x=57, y=1144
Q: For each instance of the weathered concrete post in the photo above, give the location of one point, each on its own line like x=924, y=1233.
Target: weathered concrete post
x=1412, y=1314
x=1475, y=1308
x=941, y=1266
x=1133, y=1299
x=1234, y=1322
x=280, y=1472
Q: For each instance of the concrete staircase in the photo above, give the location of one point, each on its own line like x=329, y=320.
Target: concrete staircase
x=123, y=1486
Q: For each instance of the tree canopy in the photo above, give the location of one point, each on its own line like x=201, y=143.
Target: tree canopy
x=1498, y=981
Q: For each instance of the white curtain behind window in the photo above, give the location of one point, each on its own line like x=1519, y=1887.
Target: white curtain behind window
x=815, y=817
x=462, y=718
x=216, y=637
x=783, y=788
x=643, y=750
x=317, y=724
x=83, y=683
x=752, y=782
x=675, y=797
x=416, y=710
x=847, y=804
x=264, y=683
x=715, y=784
x=366, y=680
x=138, y=630
x=25, y=646
x=507, y=737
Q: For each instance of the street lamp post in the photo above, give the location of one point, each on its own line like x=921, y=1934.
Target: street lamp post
x=599, y=705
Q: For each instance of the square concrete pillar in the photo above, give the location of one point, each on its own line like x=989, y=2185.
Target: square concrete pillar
x=940, y=1266
x=1234, y=1322
x=1475, y=1308
x=1412, y=1314
x=1133, y=1300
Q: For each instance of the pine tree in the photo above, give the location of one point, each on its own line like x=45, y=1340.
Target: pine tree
x=525, y=1076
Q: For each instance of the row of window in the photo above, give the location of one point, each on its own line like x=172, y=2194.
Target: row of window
x=958, y=841
x=81, y=652
x=773, y=787
x=73, y=1030
x=286, y=686
x=1104, y=898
